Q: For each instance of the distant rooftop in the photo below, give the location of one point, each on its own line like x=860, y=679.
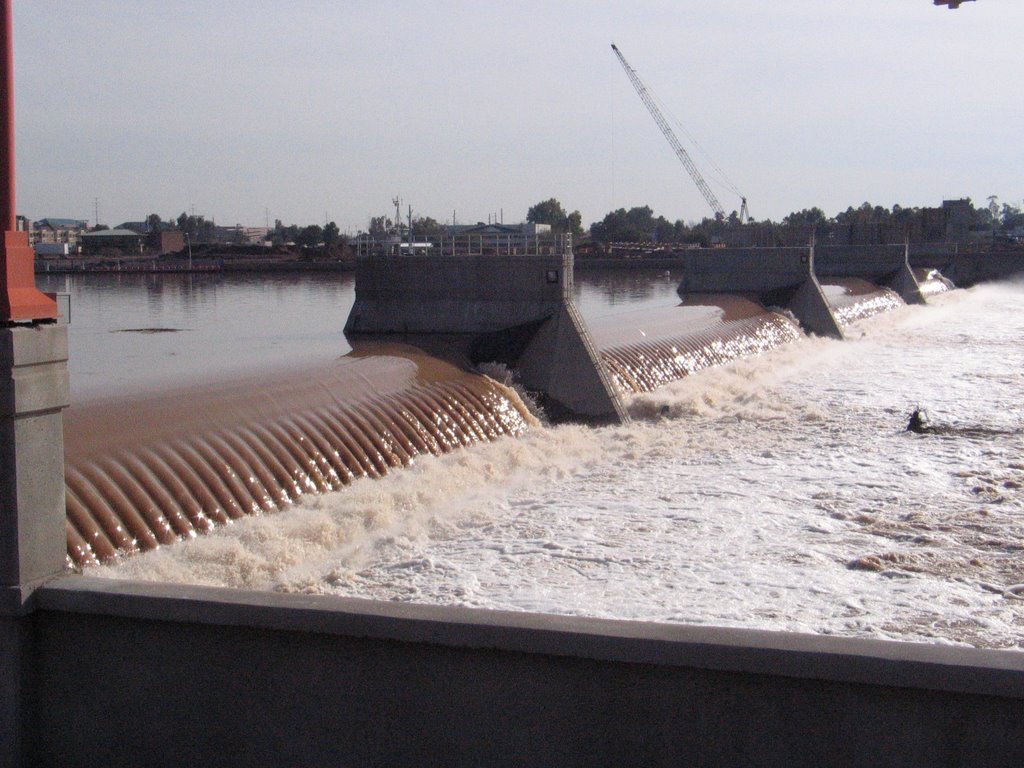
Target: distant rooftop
x=61, y=223
x=112, y=233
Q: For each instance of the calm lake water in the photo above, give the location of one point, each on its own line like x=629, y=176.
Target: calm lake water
x=137, y=332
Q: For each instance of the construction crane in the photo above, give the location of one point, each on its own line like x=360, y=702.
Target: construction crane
x=681, y=153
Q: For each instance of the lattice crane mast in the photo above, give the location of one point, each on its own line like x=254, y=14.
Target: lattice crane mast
x=670, y=135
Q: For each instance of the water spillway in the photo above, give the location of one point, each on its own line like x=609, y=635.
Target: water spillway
x=931, y=281
x=853, y=299
x=647, y=349
x=500, y=299
x=147, y=472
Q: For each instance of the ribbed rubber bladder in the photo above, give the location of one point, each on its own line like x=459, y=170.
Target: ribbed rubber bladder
x=646, y=350
x=147, y=471
x=854, y=299
x=651, y=348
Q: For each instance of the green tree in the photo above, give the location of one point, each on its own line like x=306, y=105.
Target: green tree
x=1012, y=217
x=635, y=225
x=549, y=211
x=310, y=235
x=426, y=226
x=197, y=228
x=575, y=222
x=806, y=217
x=380, y=226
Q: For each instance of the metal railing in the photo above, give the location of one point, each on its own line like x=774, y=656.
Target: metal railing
x=487, y=244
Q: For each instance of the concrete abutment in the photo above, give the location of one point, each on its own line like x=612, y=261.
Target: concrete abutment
x=512, y=309
x=782, y=277
x=33, y=544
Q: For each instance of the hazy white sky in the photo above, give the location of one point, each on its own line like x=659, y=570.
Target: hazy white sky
x=314, y=107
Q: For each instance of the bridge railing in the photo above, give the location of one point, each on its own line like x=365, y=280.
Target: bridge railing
x=468, y=244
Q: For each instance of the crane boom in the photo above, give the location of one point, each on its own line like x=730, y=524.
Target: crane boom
x=666, y=129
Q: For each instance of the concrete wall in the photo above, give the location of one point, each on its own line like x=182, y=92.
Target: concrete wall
x=866, y=261
x=132, y=674
x=743, y=270
x=33, y=393
x=514, y=309
x=967, y=267
x=457, y=294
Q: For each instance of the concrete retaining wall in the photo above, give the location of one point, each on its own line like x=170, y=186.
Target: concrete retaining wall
x=132, y=674
x=782, y=277
x=515, y=309
x=968, y=267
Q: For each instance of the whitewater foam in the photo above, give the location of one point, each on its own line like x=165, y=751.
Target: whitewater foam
x=778, y=492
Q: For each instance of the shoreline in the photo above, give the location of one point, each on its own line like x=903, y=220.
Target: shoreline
x=152, y=266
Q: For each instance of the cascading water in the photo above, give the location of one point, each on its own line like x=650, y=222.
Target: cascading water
x=170, y=466
x=173, y=465
x=931, y=282
x=648, y=349
x=853, y=299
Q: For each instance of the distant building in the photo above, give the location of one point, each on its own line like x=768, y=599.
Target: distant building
x=111, y=242
x=527, y=228
x=239, y=235
x=53, y=230
x=958, y=216
x=140, y=227
x=165, y=241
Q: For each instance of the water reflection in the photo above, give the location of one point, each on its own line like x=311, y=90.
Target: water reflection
x=238, y=323
x=602, y=291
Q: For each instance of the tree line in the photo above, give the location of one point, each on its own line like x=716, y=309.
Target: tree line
x=867, y=223
x=199, y=229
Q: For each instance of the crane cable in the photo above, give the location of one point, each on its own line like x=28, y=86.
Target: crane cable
x=722, y=179
x=718, y=175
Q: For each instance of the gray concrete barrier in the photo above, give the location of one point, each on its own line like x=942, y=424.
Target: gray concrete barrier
x=513, y=309
x=885, y=265
x=776, y=277
x=968, y=266
x=146, y=674
x=33, y=393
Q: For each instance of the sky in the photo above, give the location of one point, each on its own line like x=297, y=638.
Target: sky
x=310, y=110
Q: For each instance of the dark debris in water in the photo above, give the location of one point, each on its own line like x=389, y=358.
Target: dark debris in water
x=920, y=424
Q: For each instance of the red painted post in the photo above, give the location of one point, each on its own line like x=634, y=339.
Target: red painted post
x=20, y=300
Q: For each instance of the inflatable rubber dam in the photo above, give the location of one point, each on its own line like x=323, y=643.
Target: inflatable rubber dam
x=172, y=465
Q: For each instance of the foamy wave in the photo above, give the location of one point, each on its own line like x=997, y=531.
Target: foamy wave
x=744, y=504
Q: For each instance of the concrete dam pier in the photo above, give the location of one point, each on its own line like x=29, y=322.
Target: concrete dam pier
x=782, y=277
x=499, y=301
x=793, y=279
x=887, y=266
